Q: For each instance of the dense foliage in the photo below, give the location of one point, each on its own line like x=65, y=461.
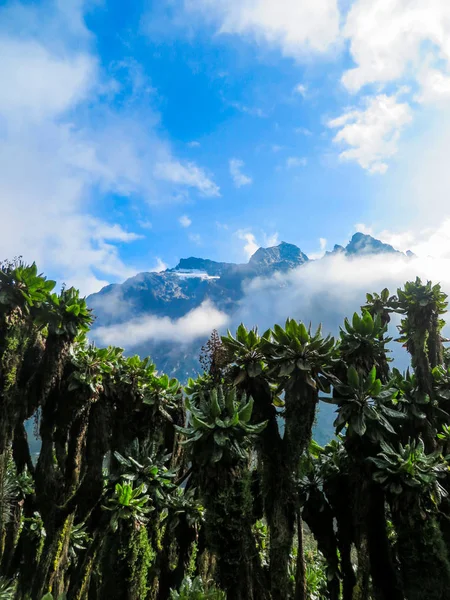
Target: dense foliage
x=147, y=490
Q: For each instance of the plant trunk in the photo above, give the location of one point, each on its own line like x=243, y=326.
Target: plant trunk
x=318, y=515
x=300, y=573
x=281, y=523
x=423, y=556
x=229, y=535
x=338, y=493
x=385, y=582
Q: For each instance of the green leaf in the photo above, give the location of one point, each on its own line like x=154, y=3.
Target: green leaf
x=199, y=423
x=215, y=408
x=246, y=412
x=367, y=323
x=376, y=388
x=230, y=399
x=303, y=334
x=254, y=369
x=353, y=377
x=358, y=424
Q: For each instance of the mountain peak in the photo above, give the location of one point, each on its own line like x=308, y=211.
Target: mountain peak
x=362, y=243
x=284, y=255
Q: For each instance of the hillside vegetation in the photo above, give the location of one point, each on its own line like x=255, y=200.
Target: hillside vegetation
x=147, y=490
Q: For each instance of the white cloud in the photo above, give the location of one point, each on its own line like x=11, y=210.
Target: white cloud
x=40, y=83
x=394, y=43
x=317, y=255
x=296, y=161
x=112, y=233
x=325, y=291
x=185, y=221
x=250, y=242
x=195, y=324
x=372, y=133
x=301, y=89
x=239, y=179
x=435, y=87
x=145, y=224
x=295, y=27
x=391, y=40
x=220, y=225
x=194, y=144
x=424, y=242
x=302, y=131
x=248, y=110
x=57, y=159
x=160, y=266
x=271, y=240
x=188, y=174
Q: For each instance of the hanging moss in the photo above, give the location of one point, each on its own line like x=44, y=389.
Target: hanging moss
x=423, y=556
x=192, y=566
x=141, y=558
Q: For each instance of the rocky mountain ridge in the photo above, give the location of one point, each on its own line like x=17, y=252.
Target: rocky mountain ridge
x=175, y=292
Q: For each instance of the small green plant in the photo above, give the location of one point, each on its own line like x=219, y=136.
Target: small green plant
x=128, y=504
x=219, y=425
x=195, y=589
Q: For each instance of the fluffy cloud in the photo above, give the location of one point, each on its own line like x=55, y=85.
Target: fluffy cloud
x=328, y=290
x=391, y=40
x=432, y=243
x=251, y=243
x=394, y=43
x=301, y=89
x=197, y=323
x=185, y=221
x=159, y=266
x=186, y=174
x=295, y=27
x=56, y=157
x=239, y=179
x=40, y=83
x=372, y=133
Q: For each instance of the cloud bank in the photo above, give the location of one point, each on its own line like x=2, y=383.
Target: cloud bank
x=198, y=323
x=65, y=136
x=292, y=26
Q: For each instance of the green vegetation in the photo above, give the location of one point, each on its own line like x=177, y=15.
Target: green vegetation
x=147, y=490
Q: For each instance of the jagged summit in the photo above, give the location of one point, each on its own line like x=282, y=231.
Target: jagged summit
x=264, y=261
x=362, y=243
x=287, y=254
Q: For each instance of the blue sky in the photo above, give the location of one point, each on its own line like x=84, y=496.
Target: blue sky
x=131, y=137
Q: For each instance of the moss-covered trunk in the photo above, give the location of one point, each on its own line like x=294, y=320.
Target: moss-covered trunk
x=300, y=572
x=229, y=535
x=318, y=515
x=423, y=555
x=385, y=581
